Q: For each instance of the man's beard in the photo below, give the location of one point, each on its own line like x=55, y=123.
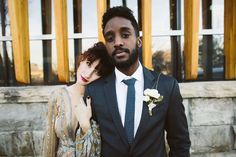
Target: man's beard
x=133, y=57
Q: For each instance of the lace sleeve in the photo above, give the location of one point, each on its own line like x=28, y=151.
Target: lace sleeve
x=50, y=139
x=88, y=144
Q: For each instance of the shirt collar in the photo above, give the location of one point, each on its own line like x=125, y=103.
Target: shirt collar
x=138, y=74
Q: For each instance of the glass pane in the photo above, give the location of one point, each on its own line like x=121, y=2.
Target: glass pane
x=46, y=8
x=115, y=3
x=77, y=16
x=70, y=17
x=71, y=56
x=35, y=19
x=89, y=23
x=133, y=5
x=4, y=19
x=162, y=55
x=211, y=14
x=2, y=66
x=160, y=16
x=87, y=43
x=36, y=62
x=43, y=69
x=176, y=14
x=211, y=57
x=7, y=74
x=53, y=18
x=54, y=62
x=218, y=14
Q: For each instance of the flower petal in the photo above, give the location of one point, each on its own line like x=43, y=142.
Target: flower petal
x=146, y=98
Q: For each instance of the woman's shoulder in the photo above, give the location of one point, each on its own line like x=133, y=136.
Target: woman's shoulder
x=58, y=90
x=57, y=93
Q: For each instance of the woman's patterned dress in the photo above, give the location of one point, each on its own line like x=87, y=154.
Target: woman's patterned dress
x=61, y=139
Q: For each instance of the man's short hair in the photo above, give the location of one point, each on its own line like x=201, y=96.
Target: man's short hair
x=120, y=11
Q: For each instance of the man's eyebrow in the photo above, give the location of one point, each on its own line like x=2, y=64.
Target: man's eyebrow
x=125, y=29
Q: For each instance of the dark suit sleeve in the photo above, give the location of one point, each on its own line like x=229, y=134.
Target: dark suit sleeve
x=176, y=125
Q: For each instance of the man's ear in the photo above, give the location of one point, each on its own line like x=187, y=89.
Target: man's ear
x=139, y=42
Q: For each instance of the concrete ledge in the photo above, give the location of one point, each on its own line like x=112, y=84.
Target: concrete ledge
x=230, y=154
x=213, y=89
x=26, y=94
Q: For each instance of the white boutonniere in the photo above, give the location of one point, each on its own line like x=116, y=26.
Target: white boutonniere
x=152, y=97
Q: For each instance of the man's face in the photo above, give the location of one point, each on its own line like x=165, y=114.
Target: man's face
x=121, y=42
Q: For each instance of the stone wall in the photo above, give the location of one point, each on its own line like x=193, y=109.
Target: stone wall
x=210, y=109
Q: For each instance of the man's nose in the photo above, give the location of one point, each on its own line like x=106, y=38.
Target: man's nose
x=118, y=42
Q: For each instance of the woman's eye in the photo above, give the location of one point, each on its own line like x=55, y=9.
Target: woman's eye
x=96, y=71
x=88, y=63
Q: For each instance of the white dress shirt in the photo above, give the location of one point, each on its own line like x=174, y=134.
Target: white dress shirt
x=121, y=94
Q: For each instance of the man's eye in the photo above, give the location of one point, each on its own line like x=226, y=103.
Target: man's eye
x=109, y=38
x=125, y=35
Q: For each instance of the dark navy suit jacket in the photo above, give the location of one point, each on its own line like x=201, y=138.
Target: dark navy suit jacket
x=149, y=140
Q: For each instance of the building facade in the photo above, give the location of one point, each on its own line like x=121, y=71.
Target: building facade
x=189, y=40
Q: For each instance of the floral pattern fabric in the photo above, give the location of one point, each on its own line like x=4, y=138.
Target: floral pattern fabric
x=60, y=138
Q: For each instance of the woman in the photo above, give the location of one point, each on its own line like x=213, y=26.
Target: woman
x=70, y=131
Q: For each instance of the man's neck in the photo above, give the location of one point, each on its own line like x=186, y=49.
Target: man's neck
x=130, y=70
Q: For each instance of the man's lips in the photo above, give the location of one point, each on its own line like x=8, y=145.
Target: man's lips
x=83, y=79
x=119, y=52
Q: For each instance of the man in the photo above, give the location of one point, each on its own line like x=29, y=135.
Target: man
x=129, y=127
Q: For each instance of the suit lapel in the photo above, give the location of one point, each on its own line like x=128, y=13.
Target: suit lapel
x=149, y=81
x=111, y=100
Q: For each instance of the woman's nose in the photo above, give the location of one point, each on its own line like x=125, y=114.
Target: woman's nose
x=88, y=73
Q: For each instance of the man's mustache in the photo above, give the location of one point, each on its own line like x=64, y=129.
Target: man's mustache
x=118, y=50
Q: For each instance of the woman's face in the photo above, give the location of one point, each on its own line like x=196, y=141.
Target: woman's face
x=87, y=73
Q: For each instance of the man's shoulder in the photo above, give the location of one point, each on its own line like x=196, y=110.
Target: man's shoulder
x=161, y=77
x=99, y=82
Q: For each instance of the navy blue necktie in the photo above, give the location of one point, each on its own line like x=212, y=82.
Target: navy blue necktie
x=129, y=112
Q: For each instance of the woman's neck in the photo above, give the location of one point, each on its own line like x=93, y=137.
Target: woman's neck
x=77, y=89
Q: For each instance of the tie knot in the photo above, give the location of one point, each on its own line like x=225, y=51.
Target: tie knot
x=129, y=81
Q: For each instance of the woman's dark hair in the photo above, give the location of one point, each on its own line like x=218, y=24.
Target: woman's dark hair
x=97, y=51
x=120, y=11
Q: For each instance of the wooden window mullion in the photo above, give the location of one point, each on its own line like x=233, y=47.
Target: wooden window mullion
x=230, y=38
x=101, y=8
x=60, y=13
x=191, y=40
x=147, y=33
x=18, y=12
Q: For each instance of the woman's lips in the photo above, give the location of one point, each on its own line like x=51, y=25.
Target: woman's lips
x=83, y=79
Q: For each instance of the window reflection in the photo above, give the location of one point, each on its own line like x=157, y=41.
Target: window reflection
x=7, y=73
x=161, y=58
x=36, y=62
x=211, y=14
x=211, y=57
x=72, y=57
x=4, y=19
